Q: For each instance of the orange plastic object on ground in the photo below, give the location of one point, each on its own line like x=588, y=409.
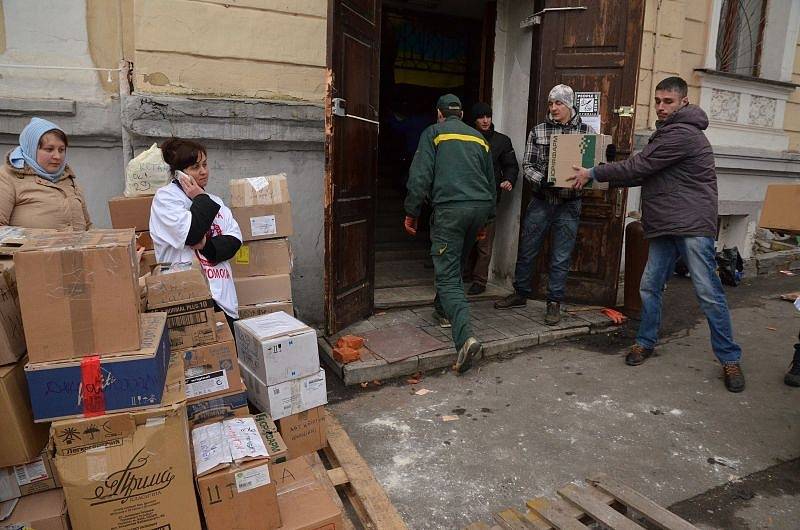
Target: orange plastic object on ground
x=615, y=316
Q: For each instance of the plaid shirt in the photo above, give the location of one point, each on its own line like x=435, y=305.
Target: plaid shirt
x=537, y=156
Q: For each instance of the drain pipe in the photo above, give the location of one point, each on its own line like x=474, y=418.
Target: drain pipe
x=125, y=69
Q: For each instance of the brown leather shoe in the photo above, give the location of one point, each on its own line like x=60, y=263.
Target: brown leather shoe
x=734, y=378
x=637, y=355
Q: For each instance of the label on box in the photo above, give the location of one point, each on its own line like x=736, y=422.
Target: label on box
x=226, y=442
x=200, y=385
x=242, y=256
x=263, y=226
x=258, y=183
x=250, y=479
x=31, y=472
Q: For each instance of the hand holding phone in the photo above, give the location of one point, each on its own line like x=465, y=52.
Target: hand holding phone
x=190, y=187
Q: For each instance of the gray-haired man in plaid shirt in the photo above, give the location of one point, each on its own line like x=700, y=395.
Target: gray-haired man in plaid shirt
x=551, y=209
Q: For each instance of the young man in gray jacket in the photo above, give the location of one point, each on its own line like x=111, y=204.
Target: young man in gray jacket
x=679, y=212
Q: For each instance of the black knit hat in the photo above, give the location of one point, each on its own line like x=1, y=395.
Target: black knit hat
x=481, y=109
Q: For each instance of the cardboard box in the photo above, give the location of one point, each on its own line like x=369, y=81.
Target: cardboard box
x=567, y=150
x=21, y=440
x=250, y=311
x=214, y=368
x=182, y=291
x=264, y=221
x=13, y=237
x=231, y=404
x=780, y=210
x=305, y=432
x=276, y=445
x=305, y=503
x=277, y=347
x=254, y=290
x=143, y=240
x=266, y=257
x=12, y=334
x=29, y=478
x=232, y=468
x=42, y=511
x=130, y=212
x=99, y=385
x=79, y=294
x=130, y=470
x=287, y=398
x=147, y=263
x=265, y=190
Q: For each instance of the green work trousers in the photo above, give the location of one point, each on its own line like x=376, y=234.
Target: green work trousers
x=453, y=233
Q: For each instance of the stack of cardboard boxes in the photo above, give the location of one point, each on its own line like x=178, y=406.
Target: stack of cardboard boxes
x=263, y=264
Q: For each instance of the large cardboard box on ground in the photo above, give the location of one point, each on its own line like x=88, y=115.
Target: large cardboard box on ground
x=130, y=212
x=129, y=471
x=79, y=294
x=232, y=468
x=183, y=292
x=584, y=150
x=26, y=479
x=42, y=511
x=305, y=432
x=250, y=311
x=266, y=257
x=12, y=334
x=232, y=404
x=21, y=440
x=277, y=347
x=289, y=397
x=781, y=208
x=305, y=503
x=214, y=368
x=98, y=385
x=252, y=290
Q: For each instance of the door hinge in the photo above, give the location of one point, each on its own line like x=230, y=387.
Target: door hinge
x=625, y=111
x=536, y=18
x=339, y=107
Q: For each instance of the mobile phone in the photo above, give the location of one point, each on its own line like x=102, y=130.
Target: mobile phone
x=183, y=178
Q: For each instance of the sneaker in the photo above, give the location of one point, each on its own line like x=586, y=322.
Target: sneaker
x=476, y=288
x=471, y=350
x=637, y=355
x=734, y=378
x=442, y=320
x=511, y=301
x=793, y=375
x=553, y=314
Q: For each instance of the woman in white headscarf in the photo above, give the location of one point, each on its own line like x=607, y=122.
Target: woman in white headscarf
x=37, y=187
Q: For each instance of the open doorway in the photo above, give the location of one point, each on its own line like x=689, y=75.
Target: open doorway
x=428, y=48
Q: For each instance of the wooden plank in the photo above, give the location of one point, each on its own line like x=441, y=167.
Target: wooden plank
x=655, y=514
x=511, y=520
x=480, y=525
x=322, y=475
x=537, y=522
x=596, y=508
x=379, y=509
x=338, y=476
x=557, y=513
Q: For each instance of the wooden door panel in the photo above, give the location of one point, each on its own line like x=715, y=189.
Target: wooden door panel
x=596, y=50
x=351, y=152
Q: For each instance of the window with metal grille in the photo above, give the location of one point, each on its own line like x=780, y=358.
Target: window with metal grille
x=741, y=33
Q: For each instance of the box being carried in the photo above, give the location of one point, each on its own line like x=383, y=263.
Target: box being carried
x=584, y=150
x=781, y=209
x=232, y=463
x=181, y=289
x=277, y=347
x=262, y=207
x=79, y=294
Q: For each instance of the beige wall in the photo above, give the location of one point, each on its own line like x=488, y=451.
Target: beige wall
x=271, y=49
x=791, y=122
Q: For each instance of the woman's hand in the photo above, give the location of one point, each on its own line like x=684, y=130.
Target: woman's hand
x=200, y=245
x=190, y=187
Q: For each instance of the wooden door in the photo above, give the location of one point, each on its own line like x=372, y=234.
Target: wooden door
x=351, y=161
x=595, y=50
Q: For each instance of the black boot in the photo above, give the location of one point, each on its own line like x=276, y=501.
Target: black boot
x=793, y=375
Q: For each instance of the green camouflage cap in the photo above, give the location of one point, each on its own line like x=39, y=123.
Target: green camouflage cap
x=449, y=102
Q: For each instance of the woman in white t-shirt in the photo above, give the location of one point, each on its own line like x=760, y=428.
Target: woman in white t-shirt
x=187, y=222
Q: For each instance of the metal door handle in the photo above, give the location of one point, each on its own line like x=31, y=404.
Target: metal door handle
x=339, y=107
x=536, y=18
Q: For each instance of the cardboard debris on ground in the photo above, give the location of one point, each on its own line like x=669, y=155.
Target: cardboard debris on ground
x=449, y=418
x=423, y=391
x=779, y=210
x=790, y=297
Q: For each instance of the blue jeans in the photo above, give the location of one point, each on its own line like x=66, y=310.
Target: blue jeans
x=698, y=255
x=539, y=217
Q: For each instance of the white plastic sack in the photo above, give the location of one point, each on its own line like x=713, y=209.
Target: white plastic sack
x=146, y=173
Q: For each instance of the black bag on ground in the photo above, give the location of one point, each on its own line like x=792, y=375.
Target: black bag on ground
x=730, y=266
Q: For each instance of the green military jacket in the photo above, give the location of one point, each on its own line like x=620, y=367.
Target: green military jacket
x=452, y=167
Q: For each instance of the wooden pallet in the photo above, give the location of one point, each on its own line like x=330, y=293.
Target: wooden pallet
x=352, y=484
x=605, y=502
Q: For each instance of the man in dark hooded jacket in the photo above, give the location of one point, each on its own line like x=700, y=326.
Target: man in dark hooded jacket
x=679, y=213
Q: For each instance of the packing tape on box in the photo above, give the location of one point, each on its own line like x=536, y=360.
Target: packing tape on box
x=92, y=394
x=75, y=286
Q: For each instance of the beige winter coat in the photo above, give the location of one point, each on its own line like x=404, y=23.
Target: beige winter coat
x=28, y=200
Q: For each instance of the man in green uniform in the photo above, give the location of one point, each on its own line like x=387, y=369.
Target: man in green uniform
x=452, y=169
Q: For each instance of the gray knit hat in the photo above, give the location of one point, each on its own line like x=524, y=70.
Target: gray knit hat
x=564, y=94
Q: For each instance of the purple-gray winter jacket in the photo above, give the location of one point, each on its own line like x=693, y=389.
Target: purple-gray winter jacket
x=677, y=176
